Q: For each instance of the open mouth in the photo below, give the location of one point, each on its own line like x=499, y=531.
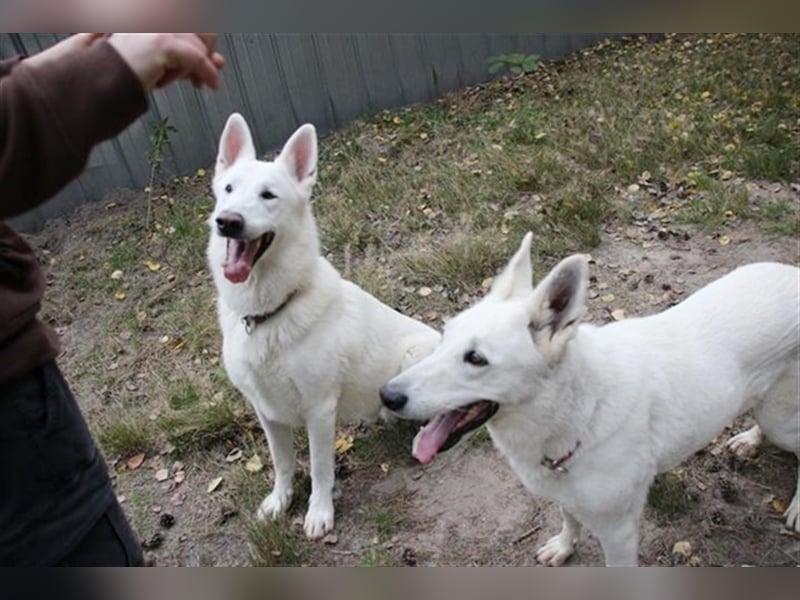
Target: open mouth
x=443, y=431
x=243, y=254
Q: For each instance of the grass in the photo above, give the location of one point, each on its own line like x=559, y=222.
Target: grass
x=780, y=218
x=384, y=443
x=202, y=426
x=377, y=556
x=125, y=436
x=385, y=520
x=668, y=496
x=275, y=544
x=438, y=196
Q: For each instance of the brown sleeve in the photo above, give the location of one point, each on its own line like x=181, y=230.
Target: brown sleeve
x=7, y=64
x=52, y=114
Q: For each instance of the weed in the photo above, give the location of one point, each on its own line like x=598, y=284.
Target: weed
x=516, y=63
x=714, y=207
x=125, y=436
x=384, y=442
x=668, y=496
x=201, y=425
x=385, y=520
x=377, y=556
x=159, y=140
x=275, y=544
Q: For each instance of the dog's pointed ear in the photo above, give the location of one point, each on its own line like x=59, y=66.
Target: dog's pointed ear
x=515, y=279
x=556, y=305
x=300, y=154
x=235, y=143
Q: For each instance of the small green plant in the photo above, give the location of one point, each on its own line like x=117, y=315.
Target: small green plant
x=275, y=544
x=385, y=520
x=516, y=64
x=159, y=140
x=378, y=557
x=668, y=496
x=125, y=437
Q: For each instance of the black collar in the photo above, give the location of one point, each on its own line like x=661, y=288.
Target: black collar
x=557, y=464
x=251, y=321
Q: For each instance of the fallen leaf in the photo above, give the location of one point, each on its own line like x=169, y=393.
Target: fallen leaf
x=397, y=120
x=153, y=266
x=385, y=468
x=135, y=461
x=487, y=283
x=343, y=444
x=254, y=465
x=540, y=136
x=423, y=136
x=162, y=475
x=120, y=295
x=633, y=188
x=381, y=159
x=778, y=505
x=234, y=455
x=425, y=291
x=214, y=484
x=618, y=314
x=201, y=172
x=116, y=274
x=705, y=95
x=180, y=476
x=724, y=240
x=682, y=548
x=608, y=298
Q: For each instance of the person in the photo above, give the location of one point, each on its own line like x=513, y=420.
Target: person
x=57, y=506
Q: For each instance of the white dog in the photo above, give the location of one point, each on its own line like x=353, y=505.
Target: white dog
x=589, y=415
x=304, y=346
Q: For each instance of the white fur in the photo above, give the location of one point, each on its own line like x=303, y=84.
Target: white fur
x=322, y=357
x=641, y=395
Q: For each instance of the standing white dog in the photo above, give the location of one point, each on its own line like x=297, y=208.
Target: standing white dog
x=304, y=346
x=589, y=415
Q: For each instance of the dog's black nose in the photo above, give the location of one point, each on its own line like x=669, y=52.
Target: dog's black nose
x=230, y=224
x=392, y=399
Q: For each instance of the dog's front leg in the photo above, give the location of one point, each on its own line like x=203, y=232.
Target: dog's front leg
x=619, y=538
x=560, y=547
x=321, y=433
x=281, y=448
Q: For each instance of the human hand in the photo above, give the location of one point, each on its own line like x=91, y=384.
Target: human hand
x=160, y=58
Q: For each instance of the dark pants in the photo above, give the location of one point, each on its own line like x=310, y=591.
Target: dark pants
x=57, y=506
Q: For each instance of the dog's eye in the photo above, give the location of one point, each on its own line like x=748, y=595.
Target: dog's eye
x=267, y=195
x=229, y=188
x=476, y=359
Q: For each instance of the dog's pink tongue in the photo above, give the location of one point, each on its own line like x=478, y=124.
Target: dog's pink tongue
x=239, y=261
x=433, y=436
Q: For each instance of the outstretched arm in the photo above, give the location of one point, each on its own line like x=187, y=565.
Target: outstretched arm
x=56, y=105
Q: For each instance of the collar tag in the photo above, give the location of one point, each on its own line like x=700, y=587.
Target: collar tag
x=247, y=321
x=557, y=464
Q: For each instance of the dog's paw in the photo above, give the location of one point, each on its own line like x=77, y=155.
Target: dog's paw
x=745, y=444
x=319, y=519
x=275, y=505
x=555, y=551
x=792, y=514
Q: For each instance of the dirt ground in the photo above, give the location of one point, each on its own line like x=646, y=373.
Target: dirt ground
x=467, y=508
